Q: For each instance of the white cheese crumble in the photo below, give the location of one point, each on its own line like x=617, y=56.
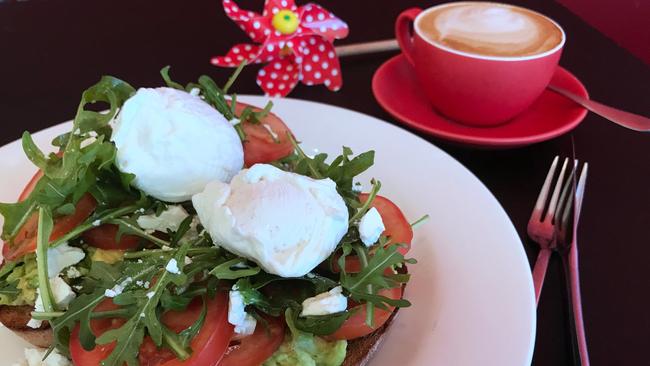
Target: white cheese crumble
x=329, y=302
x=62, y=295
x=62, y=256
x=72, y=272
x=370, y=227
x=244, y=323
x=118, y=288
x=172, y=266
x=97, y=223
x=170, y=219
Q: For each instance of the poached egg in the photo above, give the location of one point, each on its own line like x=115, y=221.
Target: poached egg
x=175, y=143
x=285, y=222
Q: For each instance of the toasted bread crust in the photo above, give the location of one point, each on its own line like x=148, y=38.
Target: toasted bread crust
x=16, y=317
x=361, y=350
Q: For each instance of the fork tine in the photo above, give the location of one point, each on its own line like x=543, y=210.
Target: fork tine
x=543, y=193
x=566, y=199
x=550, y=213
x=580, y=189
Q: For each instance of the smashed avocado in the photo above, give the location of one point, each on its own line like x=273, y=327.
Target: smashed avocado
x=308, y=350
x=106, y=255
x=305, y=349
x=20, y=284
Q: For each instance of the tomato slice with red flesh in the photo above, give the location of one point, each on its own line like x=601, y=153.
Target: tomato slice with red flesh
x=397, y=228
x=258, y=347
x=260, y=145
x=25, y=240
x=98, y=326
x=355, y=326
x=30, y=186
x=208, y=346
x=103, y=237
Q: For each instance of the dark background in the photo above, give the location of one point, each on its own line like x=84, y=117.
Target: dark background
x=52, y=50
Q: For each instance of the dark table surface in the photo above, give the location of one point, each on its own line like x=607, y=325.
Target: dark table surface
x=52, y=50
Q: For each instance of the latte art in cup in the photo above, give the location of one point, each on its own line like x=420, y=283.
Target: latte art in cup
x=489, y=29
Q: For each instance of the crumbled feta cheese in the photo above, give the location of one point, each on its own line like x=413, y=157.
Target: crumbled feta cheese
x=188, y=260
x=118, y=288
x=244, y=323
x=370, y=227
x=172, y=266
x=170, y=219
x=62, y=295
x=97, y=222
x=72, y=272
x=34, y=357
x=329, y=302
x=150, y=294
x=62, y=256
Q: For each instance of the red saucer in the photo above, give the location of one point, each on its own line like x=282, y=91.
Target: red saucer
x=397, y=91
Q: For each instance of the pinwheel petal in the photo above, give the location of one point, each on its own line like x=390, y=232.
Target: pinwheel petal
x=256, y=26
x=318, y=62
x=271, y=7
x=318, y=20
x=278, y=78
x=237, y=54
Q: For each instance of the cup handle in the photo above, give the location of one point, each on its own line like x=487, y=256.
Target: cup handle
x=403, y=32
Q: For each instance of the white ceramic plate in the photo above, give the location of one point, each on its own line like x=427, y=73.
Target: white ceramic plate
x=471, y=291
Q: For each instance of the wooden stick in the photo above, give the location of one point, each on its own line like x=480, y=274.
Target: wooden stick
x=367, y=47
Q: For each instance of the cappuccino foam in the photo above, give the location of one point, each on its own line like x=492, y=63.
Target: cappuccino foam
x=490, y=29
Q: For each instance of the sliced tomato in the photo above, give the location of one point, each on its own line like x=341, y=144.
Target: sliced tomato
x=208, y=346
x=103, y=237
x=25, y=240
x=397, y=228
x=355, y=326
x=256, y=348
x=260, y=147
x=30, y=186
x=80, y=356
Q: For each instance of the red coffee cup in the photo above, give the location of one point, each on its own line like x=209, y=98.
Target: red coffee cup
x=469, y=88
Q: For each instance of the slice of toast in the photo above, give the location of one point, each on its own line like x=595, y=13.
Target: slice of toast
x=16, y=318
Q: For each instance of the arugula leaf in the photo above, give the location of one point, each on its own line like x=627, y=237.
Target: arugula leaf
x=229, y=270
x=45, y=225
x=319, y=325
x=129, y=336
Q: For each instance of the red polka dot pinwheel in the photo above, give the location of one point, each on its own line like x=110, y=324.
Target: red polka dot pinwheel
x=295, y=41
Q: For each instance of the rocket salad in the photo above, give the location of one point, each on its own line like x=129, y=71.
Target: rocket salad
x=157, y=283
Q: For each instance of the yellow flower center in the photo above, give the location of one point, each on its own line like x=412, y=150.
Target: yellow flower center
x=285, y=21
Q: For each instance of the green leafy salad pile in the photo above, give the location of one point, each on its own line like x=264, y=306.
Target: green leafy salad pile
x=142, y=287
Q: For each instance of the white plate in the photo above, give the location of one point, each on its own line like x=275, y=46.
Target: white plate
x=471, y=291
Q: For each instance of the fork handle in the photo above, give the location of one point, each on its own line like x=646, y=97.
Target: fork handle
x=539, y=271
x=574, y=302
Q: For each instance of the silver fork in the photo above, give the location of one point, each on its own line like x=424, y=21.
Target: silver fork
x=553, y=228
x=541, y=226
x=567, y=247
